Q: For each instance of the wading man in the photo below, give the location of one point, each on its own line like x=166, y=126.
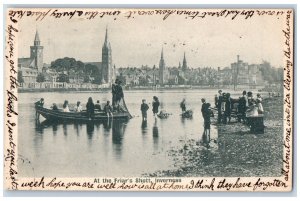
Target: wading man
x=206, y=113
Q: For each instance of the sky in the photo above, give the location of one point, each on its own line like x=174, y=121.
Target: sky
x=212, y=42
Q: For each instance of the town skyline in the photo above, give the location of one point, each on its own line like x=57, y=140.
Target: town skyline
x=129, y=50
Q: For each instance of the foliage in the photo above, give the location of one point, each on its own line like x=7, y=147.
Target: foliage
x=270, y=74
x=67, y=66
x=63, y=78
x=40, y=78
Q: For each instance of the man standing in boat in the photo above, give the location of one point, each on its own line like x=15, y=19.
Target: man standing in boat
x=39, y=103
x=117, y=94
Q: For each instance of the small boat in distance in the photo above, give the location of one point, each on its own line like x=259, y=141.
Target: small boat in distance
x=57, y=115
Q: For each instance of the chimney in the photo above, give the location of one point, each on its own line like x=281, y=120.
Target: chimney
x=238, y=58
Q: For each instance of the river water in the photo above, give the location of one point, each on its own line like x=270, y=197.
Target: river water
x=112, y=148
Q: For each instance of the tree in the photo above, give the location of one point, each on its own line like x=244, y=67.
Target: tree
x=63, y=78
x=122, y=79
x=143, y=81
x=40, y=78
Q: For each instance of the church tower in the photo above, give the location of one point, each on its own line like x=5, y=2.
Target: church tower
x=161, y=68
x=36, y=52
x=184, y=65
x=106, y=61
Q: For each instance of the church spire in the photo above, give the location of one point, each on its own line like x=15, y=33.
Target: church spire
x=37, y=39
x=106, y=37
x=184, y=65
x=162, y=66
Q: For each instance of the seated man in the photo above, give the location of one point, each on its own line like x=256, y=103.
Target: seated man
x=98, y=106
x=54, y=107
x=108, y=109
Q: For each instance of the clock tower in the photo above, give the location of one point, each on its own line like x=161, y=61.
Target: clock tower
x=36, y=53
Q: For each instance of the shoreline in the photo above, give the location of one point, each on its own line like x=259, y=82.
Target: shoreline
x=70, y=90
x=236, y=152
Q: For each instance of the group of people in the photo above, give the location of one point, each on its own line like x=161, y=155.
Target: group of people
x=145, y=107
x=90, y=107
x=246, y=103
x=117, y=97
x=224, y=104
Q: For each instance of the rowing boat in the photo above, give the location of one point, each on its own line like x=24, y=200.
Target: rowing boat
x=58, y=115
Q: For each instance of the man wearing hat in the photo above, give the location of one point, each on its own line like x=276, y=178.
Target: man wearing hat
x=117, y=93
x=220, y=100
x=39, y=103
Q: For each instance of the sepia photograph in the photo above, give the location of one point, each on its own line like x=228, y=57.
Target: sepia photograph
x=149, y=99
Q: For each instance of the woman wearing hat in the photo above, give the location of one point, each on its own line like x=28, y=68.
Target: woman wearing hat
x=259, y=104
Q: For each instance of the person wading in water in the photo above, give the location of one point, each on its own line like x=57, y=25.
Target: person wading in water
x=206, y=113
x=155, y=105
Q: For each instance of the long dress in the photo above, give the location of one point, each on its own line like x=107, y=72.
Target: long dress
x=155, y=106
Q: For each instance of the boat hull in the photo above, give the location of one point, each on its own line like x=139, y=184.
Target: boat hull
x=52, y=115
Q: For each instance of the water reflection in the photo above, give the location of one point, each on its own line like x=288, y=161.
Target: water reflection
x=90, y=130
x=118, y=130
x=107, y=125
x=39, y=127
x=155, y=135
x=38, y=137
x=54, y=129
x=65, y=130
x=144, y=127
x=77, y=129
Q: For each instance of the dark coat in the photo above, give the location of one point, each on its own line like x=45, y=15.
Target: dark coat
x=220, y=100
x=206, y=112
x=117, y=92
x=183, y=107
x=242, y=105
x=90, y=108
x=144, y=108
x=97, y=106
x=155, y=106
x=228, y=106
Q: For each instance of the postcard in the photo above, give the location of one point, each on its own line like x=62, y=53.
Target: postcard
x=114, y=99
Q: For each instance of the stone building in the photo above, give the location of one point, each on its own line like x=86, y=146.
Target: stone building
x=32, y=66
x=245, y=74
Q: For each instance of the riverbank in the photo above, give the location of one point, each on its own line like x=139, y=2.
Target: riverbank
x=234, y=151
x=70, y=90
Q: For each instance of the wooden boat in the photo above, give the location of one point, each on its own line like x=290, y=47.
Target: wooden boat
x=58, y=115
